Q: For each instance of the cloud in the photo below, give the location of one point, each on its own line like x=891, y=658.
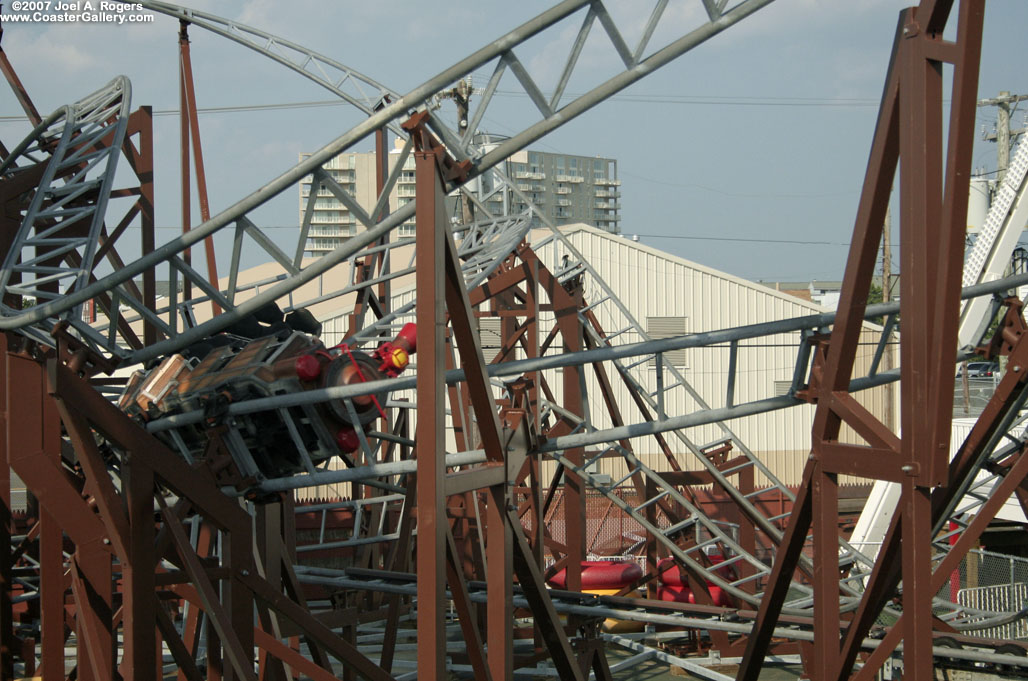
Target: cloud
x=51, y=52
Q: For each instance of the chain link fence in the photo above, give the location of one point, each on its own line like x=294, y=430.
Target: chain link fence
x=996, y=583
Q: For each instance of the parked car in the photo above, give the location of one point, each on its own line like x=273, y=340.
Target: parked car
x=979, y=370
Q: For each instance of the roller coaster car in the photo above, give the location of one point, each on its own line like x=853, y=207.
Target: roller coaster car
x=270, y=442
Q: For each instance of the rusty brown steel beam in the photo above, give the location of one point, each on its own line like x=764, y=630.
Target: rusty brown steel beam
x=180, y=653
x=1012, y=479
x=547, y=620
x=786, y=560
x=219, y=615
x=138, y=572
x=499, y=608
x=20, y=93
x=191, y=130
x=93, y=613
x=910, y=128
x=334, y=644
x=966, y=60
x=141, y=160
x=8, y=557
x=825, y=521
x=293, y=658
x=466, y=611
x=431, y=424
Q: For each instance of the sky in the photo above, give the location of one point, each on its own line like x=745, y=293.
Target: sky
x=746, y=154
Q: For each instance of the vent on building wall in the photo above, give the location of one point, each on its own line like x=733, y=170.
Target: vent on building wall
x=489, y=332
x=667, y=327
x=782, y=388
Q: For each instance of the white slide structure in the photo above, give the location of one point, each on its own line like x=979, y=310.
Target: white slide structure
x=991, y=252
x=986, y=262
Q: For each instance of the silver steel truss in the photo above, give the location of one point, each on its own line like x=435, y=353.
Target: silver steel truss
x=53, y=250
x=356, y=88
x=483, y=246
x=630, y=609
x=500, y=55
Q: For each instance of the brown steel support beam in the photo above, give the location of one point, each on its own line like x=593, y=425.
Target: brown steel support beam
x=219, y=615
x=825, y=506
x=7, y=558
x=498, y=548
x=192, y=132
x=786, y=560
x=294, y=659
x=1013, y=478
x=185, y=178
x=546, y=619
x=335, y=645
x=431, y=512
x=574, y=395
x=142, y=162
x=268, y=535
x=91, y=588
x=20, y=93
x=935, y=277
x=909, y=127
x=139, y=609
x=180, y=653
x=920, y=212
x=466, y=612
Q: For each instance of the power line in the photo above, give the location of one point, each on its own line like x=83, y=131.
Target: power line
x=746, y=240
x=735, y=194
x=728, y=100
x=641, y=98
x=235, y=109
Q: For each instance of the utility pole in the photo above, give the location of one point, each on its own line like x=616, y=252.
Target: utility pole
x=461, y=96
x=887, y=359
x=1003, y=132
x=1002, y=139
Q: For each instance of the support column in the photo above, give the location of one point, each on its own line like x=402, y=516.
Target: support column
x=6, y=568
x=574, y=486
x=139, y=615
x=431, y=511
x=190, y=130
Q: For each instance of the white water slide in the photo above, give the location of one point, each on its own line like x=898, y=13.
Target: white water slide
x=986, y=262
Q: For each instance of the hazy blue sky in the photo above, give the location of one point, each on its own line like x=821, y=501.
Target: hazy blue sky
x=762, y=133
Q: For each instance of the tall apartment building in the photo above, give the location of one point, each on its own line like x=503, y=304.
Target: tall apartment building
x=332, y=223
x=567, y=189
x=570, y=189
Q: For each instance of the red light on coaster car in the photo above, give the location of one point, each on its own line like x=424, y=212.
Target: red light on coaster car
x=347, y=440
x=308, y=368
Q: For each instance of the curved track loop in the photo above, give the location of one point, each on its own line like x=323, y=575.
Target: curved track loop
x=75, y=152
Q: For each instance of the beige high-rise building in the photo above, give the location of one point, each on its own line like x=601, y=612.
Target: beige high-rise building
x=332, y=223
x=567, y=189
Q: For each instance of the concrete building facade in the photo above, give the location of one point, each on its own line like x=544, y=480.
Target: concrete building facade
x=568, y=189
x=332, y=223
